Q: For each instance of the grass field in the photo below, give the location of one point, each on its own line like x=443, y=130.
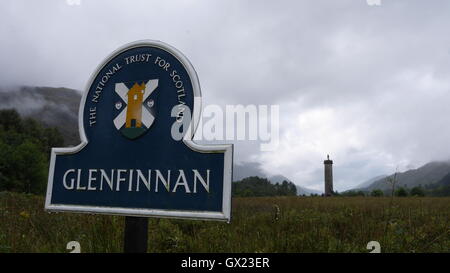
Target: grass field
x=281, y=224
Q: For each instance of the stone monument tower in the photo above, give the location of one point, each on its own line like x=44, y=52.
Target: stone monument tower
x=328, y=176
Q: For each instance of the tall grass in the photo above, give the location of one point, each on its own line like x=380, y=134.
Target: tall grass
x=276, y=224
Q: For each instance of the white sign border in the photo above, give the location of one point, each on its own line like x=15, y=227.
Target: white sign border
x=227, y=149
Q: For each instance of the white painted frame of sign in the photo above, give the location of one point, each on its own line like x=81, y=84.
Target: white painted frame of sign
x=227, y=149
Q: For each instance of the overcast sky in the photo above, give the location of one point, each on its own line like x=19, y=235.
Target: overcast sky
x=369, y=85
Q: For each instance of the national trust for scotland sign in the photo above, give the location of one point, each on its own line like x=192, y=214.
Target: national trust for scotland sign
x=137, y=119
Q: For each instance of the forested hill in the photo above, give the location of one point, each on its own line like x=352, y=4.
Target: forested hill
x=53, y=107
x=427, y=174
x=441, y=188
x=256, y=186
x=25, y=152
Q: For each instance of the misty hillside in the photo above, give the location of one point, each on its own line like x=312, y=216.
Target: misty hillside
x=427, y=174
x=367, y=183
x=247, y=169
x=54, y=107
x=440, y=188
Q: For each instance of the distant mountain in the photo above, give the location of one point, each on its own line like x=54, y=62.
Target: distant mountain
x=428, y=174
x=370, y=181
x=444, y=182
x=54, y=107
x=248, y=169
x=440, y=188
x=300, y=190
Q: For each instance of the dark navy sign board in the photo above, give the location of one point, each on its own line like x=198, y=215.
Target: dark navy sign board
x=129, y=162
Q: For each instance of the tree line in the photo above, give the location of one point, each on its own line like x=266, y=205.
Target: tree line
x=25, y=152
x=257, y=187
x=400, y=192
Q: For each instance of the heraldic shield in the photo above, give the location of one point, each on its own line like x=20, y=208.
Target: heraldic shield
x=135, y=103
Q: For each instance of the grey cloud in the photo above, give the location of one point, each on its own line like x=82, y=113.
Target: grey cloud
x=382, y=71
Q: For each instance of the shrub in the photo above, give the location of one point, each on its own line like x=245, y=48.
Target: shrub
x=376, y=193
x=401, y=192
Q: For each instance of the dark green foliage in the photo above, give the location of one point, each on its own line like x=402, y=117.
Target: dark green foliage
x=24, y=153
x=285, y=189
x=353, y=193
x=256, y=186
x=440, y=190
x=401, y=192
x=376, y=193
x=417, y=191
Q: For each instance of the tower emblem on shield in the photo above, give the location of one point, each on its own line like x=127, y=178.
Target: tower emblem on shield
x=135, y=106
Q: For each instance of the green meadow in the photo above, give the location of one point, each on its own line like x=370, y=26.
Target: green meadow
x=259, y=224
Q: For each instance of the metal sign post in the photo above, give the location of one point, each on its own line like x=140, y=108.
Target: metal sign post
x=135, y=235
x=137, y=156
